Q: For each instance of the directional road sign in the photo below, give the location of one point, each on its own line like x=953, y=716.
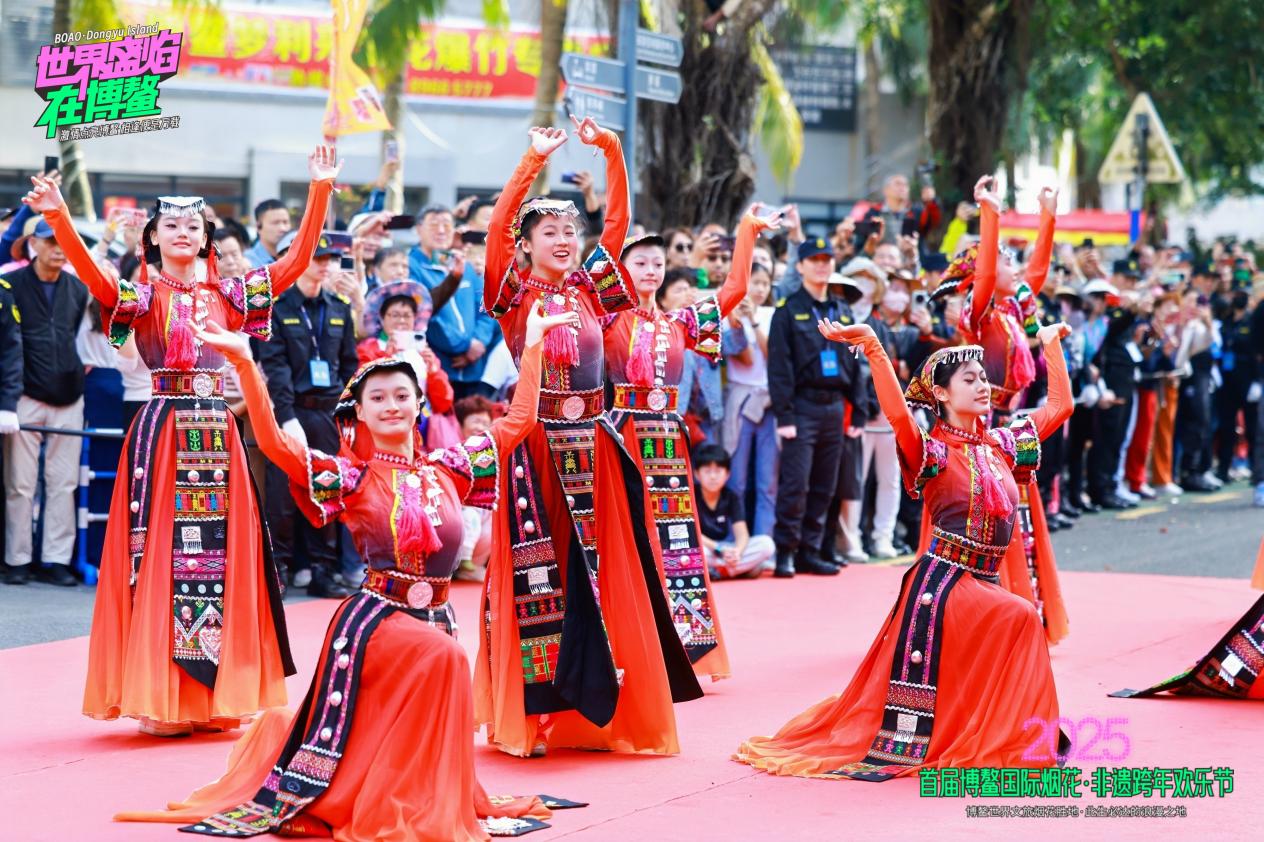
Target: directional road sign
x=592, y=72
x=606, y=110
x=660, y=85
x=657, y=48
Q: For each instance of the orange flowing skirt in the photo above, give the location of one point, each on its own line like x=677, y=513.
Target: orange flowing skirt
x=994, y=678
x=716, y=662
x=1257, y=578
x=408, y=770
x=644, y=721
x=130, y=671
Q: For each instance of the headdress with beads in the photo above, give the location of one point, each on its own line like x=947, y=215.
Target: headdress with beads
x=345, y=410
x=959, y=275
x=920, y=389
x=544, y=205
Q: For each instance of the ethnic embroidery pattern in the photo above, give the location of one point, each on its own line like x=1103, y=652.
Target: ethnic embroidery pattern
x=1228, y=671
x=310, y=757
x=199, y=539
x=661, y=446
x=539, y=601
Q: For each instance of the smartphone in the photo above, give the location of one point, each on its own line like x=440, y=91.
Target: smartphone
x=51, y=162
x=346, y=263
x=921, y=298
x=727, y=242
x=865, y=229
x=569, y=178
x=909, y=226
x=340, y=240
x=401, y=222
x=419, y=340
x=391, y=150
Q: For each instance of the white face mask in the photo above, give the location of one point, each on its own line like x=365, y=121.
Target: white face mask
x=896, y=301
x=866, y=285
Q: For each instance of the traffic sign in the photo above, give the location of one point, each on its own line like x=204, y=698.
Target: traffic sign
x=1162, y=165
x=606, y=110
x=660, y=85
x=657, y=48
x=592, y=72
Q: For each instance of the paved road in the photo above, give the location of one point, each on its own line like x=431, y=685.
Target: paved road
x=1208, y=535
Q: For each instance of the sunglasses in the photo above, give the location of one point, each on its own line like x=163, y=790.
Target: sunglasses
x=682, y=247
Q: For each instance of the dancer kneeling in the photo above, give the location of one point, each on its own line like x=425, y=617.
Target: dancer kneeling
x=960, y=667
x=390, y=669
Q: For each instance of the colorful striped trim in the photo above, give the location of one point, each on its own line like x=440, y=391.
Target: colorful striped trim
x=133, y=302
x=609, y=281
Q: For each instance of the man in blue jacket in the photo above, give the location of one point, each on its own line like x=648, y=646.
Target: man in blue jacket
x=460, y=332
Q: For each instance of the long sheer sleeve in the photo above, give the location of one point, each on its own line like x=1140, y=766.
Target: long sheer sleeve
x=908, y=436
x=500, y=239
x=1038, y=266
x=283, y=451
x=985, y=266
x=615, y=230
x=734, y=289
x=286, y=271
x=513, y=427
x=1060, y=404
x=103, y=287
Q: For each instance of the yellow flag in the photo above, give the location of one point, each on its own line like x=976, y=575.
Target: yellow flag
x=354, y=105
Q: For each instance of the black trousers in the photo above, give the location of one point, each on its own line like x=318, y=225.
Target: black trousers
x=1230, y=400
x=295, y=542
x=1079, y=434
x=1110, y=430
x=1193, y=424
x=808, y=475
x=1052, y=461
x=848, y=487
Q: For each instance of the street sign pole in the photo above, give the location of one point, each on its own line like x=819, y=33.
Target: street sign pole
x=1142, y=140
x=629, y=18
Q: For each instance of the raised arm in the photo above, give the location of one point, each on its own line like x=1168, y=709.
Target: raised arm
x=734, y=289
x=285, y=452
x=45, y=198
x=615, y=231
x=1038, y=266
x=501, y=245
x=1060, y=404
x=293, y=263
x=908, y=436
x=510, y=429
x=989, y=244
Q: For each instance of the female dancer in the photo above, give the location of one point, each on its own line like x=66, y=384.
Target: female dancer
x=579, y=648
x=390, y=671
x=645, y=353
x=960, y=666
x=188, y=629
x=999, y=315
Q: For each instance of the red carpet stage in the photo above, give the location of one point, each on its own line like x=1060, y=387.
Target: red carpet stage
x=792, y=642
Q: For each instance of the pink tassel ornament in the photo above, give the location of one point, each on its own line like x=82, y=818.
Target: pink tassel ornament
x=641, y=362
x=995, y=500
x=416, y=533
x=182, y=350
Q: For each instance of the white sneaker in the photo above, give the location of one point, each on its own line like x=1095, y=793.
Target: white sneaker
x=1126, y=495
x=302, y=578
x=856, y=557
x=1146, y=492
x=1213, y=480
x=884, y=550
x=1171, y=490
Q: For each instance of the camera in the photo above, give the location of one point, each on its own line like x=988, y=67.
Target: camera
x=346, y=263
x=921, y=298
x=569, y=178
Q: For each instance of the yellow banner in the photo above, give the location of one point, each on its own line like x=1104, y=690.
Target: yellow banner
x=354, y=105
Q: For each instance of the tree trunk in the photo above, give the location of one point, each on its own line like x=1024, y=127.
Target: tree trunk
x=976, y=48
x=552, y=34
x=394, y=106
x=697, y=153
x=74, y=173
x=872, y=117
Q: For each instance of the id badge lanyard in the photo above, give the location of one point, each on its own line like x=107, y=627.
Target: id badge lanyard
x=829, y=354
x=317, y=367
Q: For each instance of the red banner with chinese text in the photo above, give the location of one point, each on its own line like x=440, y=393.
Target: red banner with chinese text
x=291, y=49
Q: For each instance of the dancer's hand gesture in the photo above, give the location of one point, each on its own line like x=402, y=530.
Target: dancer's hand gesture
x=1048, y=199
x=985, y=193
x=323, y=163
x=539, y=324
x=1048, y=333
x=545, y=139
x=233, y=345
x=587, y=129
x=44, y=195
x=850, y=334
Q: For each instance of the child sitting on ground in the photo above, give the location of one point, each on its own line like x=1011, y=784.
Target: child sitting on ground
x=730, y=550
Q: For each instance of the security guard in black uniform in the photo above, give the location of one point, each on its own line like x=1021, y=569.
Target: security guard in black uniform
x=310, y=358
x=808, y=380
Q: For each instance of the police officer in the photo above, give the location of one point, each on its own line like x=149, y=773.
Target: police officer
x=310, y=358
x=1119, y=362
x=808, y=380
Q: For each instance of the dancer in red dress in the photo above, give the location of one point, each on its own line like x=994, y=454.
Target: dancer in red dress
x=579, y=648
x=960, y=666
x=1000, y=314
x=188, y=628
x=646, y=352
x=382, y=747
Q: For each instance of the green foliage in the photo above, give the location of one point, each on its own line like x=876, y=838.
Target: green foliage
x=1202, y=64
x=776, y=119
